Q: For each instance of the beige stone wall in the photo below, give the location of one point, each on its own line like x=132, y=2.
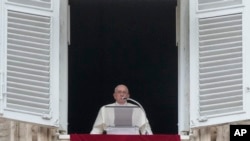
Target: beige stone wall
x=4, y=130
x=18, y=131
x=213, y=133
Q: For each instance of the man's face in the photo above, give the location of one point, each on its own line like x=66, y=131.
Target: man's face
x=120, y=93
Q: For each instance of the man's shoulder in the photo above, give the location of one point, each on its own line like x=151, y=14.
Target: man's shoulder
x=111, y=104
x=108, y=105
x=130, y=104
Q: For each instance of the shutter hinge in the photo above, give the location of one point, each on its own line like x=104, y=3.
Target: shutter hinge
x=202, y=119
x=46, y=117
x=247, y=89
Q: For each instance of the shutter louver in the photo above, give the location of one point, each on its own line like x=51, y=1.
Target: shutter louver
x=45, y=4
x=220, y=61
x=28, y=63
x=212, y=4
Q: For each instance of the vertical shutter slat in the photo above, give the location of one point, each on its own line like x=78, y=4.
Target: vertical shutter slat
x=221, y=111
x=25, y=37
x=28, y=76
x=27, y=65
x=27, y=86
x=28, y=81
x=27, y=70
x=29, y=54
x=212, y=4
x=29, y=97
x=29, y=49
x=28, y=109
x=45, y=4
x=25, y=92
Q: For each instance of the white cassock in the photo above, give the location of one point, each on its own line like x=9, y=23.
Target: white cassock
x=106, y=119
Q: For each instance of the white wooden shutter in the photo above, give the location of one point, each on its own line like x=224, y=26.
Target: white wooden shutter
x=219, y=62
x=30, y=61
x=1, y=58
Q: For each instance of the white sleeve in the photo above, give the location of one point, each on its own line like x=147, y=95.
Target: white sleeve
x=140, y=120
x=98, y=126
x=146, y=129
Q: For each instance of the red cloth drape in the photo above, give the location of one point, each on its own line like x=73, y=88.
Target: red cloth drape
x=88, y=137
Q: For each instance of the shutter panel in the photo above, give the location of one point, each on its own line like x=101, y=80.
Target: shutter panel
x=29, y=79
x=218, y=62
x=28, y=63
x=1, y=58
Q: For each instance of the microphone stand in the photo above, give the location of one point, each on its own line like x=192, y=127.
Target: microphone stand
x=130, y=99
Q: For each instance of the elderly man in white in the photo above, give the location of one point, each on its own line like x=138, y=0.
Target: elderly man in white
x=106, y=116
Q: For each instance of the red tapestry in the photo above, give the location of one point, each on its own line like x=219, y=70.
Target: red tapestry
x=88, y=137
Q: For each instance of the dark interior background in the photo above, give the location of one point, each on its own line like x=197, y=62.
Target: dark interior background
x=129, y=42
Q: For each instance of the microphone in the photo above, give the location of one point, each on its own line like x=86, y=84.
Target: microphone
x=124, y=98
